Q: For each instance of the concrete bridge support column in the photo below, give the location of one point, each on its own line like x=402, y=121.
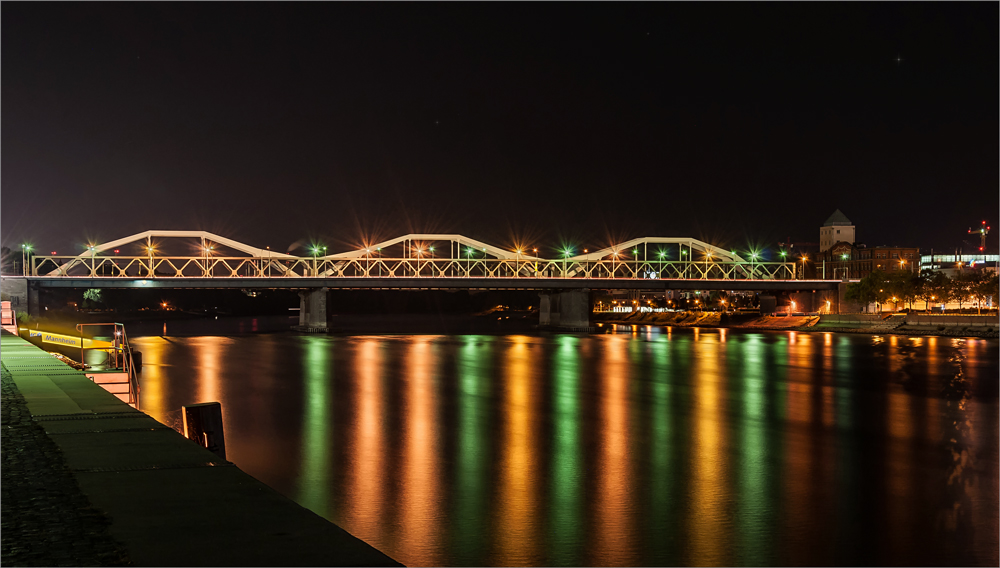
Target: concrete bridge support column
x=15, y=290
x=312, y=311
x=566, y=309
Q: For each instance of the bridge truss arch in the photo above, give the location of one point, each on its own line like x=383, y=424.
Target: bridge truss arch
x=412, y=255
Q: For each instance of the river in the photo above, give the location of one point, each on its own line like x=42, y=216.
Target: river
x=633, y=446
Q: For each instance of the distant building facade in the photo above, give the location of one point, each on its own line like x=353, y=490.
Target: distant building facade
x=855, y=261
x=838, y=228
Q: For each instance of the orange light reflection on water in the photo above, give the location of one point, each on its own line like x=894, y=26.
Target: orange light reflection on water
x=614, y=533
x=364, y=478
x=153, y=384
x=419, y=534
x=518, y=494
x=709, y=523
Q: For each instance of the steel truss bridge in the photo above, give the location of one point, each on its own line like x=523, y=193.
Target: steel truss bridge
x=410, y=258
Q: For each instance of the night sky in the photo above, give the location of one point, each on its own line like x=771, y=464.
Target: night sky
x=740, y=124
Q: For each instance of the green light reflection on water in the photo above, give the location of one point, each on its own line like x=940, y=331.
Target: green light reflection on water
x=663, y=479
x=314, y=481
x=566, y=491
x=474, y=362
x=755, y=516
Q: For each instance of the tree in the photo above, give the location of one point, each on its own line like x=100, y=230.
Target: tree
x=8, y=263
x=934, y=287
x=92, y=297
x=868, y=290
x=962, y=285
x=903, y=286
x=983, y=288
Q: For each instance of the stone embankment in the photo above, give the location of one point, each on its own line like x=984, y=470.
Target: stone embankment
x=88, y=480
x=903, y=324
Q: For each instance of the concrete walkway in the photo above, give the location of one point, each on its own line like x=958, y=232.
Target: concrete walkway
x=171, y=502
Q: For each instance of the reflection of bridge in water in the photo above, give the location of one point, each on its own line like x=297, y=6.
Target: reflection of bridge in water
x=416, y=261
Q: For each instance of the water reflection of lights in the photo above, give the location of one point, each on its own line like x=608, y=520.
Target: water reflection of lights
x=709, y=521
x=614, y=491
x=364, y=512
x=421, y=477
x=152, y=396
x=567, y=467
x=518, y=495
x=316, y=443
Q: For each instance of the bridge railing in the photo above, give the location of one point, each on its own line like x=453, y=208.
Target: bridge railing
x=379, y=267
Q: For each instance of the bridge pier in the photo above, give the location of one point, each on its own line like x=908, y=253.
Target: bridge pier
x=23, y=297
x=312, y=311
x=564, y=309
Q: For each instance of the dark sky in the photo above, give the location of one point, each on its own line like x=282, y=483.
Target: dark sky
x=582, y=123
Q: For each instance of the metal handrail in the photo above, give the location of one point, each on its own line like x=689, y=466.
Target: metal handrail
x=119, y=344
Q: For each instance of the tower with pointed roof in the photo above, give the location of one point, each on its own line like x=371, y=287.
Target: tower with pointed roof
x=838, y=228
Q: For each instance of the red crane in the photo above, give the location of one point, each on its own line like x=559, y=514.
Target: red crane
x=983, y=230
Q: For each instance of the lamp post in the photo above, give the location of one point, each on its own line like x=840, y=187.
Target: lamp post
x=661, y=263
x=804, y=258
x=683, y=259
x=566, y=253
x=586, y=264
x=152, y=273
x=25, y=258
x=783, y=255
x=635, y=262
x=536, y=261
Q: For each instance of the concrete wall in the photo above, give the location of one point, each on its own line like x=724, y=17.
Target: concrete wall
x=851, y=319
x=932, y=320
x=568, y=309
x=312, y=310
x=23, y=298
x=15, y=289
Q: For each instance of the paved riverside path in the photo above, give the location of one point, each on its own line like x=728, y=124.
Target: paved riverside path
x=170, y=502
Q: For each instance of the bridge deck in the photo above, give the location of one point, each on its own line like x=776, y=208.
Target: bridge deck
x=431, y=283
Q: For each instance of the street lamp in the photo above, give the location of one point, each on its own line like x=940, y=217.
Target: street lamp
x=149, y=249
x=804, y=258
x=25, y=258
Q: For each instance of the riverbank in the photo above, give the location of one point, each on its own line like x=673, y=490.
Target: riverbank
x=967, y=326
x=150, y=496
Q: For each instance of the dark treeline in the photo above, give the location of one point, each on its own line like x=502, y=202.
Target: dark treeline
x=901, y=288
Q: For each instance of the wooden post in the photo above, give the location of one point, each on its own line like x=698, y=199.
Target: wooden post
x=203, y=426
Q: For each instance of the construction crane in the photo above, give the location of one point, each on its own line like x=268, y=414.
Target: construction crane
x=983, y=230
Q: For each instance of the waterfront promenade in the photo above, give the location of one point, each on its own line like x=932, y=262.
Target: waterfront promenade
x=88, y=480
